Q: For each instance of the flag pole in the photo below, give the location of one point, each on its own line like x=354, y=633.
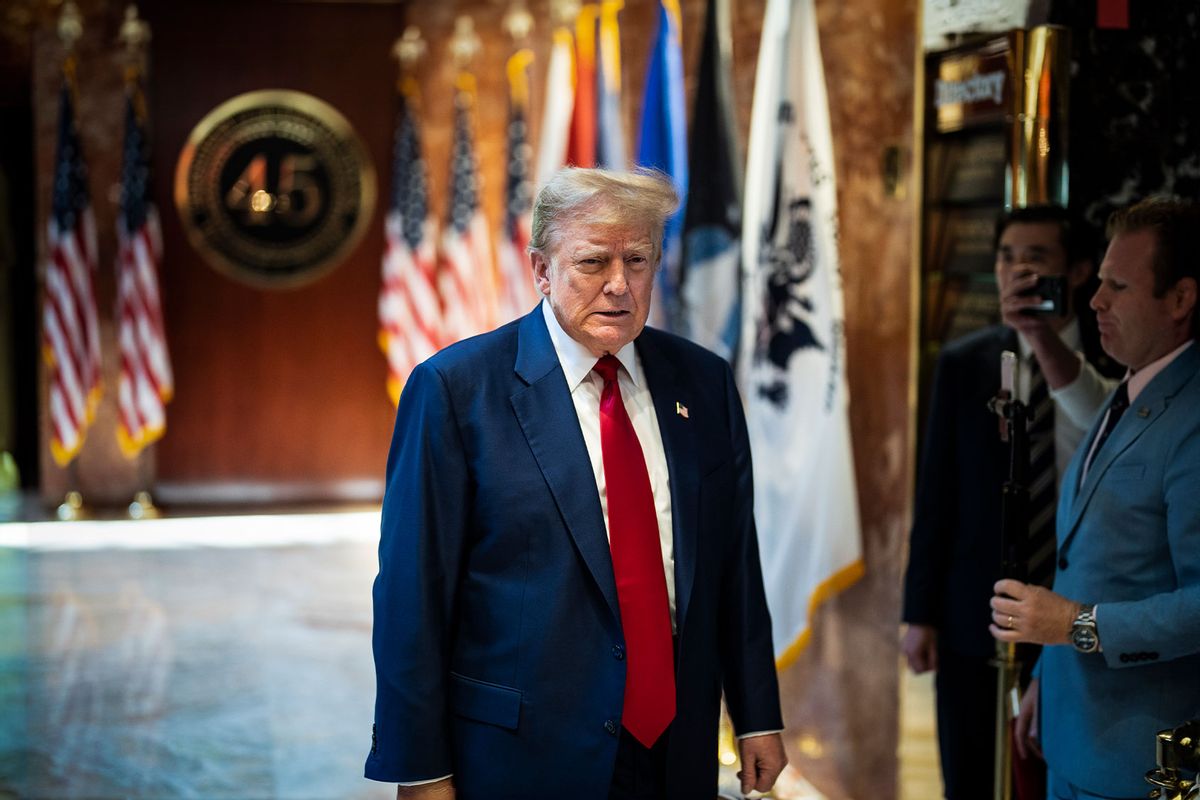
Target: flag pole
x=134, y=35
x=70, y=30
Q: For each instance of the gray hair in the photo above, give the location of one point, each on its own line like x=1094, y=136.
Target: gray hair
x=642, y=197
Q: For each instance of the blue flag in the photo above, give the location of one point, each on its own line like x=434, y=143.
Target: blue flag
x=662, y=145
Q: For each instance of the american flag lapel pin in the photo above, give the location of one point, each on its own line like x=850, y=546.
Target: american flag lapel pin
x=681, y=409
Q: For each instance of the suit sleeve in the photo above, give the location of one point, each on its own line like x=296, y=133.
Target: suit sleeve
x=748, y=657
x=935, y=508
x=422, y=538
x=1167, y=624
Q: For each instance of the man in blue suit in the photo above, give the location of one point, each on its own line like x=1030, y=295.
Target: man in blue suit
x=1121, y=628
x=569, y=573
x=954, y=555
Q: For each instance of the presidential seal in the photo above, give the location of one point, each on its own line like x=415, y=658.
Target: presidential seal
x=274, y=188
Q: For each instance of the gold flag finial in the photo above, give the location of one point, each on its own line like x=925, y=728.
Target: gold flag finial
x=565, y=12
x=518, y=21
x=135, y=35
x=409, y=49
x=70, y=25
x=465, y=44
x=135, y=31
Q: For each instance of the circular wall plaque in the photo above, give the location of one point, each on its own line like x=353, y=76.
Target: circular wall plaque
x=274, y=188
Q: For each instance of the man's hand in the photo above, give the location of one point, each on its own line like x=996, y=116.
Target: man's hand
x=1013, y=305
x=1025, y=613
x=919, y=646
x=438, y=790
x=1026, y=732
x=1059, y=364
x=762, y=761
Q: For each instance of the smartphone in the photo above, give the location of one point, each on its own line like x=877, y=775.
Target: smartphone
x=1053, y=291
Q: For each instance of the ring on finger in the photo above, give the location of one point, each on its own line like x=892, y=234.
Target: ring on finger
x=1010, y=621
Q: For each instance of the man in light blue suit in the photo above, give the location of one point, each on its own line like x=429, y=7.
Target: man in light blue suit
x=568, y=567
x=1122, y=625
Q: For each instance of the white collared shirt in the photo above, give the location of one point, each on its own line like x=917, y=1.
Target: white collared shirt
x=586, y=386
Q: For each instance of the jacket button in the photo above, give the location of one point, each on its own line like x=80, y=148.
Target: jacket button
x=610, y=726
x=1062, y=562
x=618, y=652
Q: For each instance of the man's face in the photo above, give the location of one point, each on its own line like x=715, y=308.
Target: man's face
x=1030, y=247
x=1136, y=327
x=598, y=279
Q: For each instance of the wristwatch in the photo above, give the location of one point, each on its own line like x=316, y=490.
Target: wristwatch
x=1084, y=637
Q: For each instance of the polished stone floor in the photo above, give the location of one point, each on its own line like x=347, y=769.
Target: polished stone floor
x=214, y=658
x=223, y=659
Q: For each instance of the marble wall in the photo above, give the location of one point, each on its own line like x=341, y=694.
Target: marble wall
x=1134, y=106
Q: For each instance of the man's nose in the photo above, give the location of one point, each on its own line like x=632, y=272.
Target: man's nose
x=1099, y=299
x=616, y=282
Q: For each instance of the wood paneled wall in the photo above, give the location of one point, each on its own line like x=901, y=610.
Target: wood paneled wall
x=285, y=389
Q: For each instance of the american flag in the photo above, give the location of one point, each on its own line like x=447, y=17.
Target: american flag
x=146, y=384
x=410, y=313
x=517, y=292
x=466, y=281
x=70, y=327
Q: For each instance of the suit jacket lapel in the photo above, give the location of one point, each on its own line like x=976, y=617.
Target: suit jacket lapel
x=1141, y=414
x=669, y=392
x=551, y=426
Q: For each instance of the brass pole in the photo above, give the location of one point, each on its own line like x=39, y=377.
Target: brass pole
x=1007, y=701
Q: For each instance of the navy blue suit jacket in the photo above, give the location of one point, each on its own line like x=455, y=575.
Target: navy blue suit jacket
x=955, y=546
x=498, y=645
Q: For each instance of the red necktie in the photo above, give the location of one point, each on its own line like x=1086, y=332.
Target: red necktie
x=638, y=568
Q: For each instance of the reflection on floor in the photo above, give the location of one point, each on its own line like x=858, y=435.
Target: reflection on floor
x=136, y=668
x=210, y=657
x=920, y=769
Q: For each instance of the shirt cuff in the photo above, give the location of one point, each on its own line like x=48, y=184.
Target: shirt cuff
x=1082, y=398
x=757, y=733
x=423, y=783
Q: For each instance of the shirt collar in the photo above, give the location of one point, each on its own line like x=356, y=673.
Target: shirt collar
x=576, y=360
x=1070, y=336
x=1140, y=379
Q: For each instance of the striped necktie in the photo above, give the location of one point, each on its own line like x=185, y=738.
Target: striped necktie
x=1043, y=497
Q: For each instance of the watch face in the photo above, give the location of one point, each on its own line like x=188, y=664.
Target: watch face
x=1084, y=639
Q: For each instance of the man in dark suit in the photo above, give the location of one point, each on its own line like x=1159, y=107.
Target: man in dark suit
x=569, y=573
x=954, y=555
x=1121, y=629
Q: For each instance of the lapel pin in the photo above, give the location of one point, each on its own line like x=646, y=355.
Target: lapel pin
x=681, y=409
x=1143, y=412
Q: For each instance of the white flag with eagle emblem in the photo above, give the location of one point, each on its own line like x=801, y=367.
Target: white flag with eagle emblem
x=792, y=356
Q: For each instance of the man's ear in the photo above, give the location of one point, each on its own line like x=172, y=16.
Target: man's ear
x=1078, y=273
x=1183, y=297
x=541, y=271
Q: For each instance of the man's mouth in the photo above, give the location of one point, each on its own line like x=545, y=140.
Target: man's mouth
x=615, y=314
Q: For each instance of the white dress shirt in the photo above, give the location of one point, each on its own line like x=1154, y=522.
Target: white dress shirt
x=586, y=386
x=1075, y=405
